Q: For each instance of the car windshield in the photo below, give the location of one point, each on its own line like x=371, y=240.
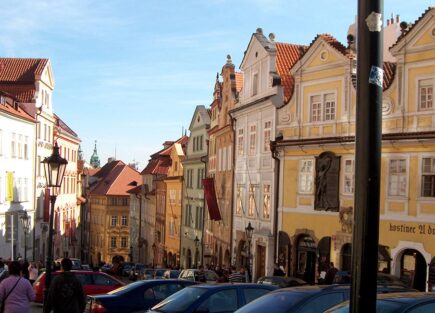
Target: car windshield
x=125, y=288
x=180, y=301
x=281, y=302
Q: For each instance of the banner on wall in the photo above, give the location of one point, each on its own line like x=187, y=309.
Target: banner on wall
x=10, y=186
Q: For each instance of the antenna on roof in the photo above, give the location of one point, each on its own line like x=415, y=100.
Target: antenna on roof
x=115, y=152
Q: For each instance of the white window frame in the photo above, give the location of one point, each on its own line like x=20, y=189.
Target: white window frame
x=348, y=176
x=430, y=172
x=124, y=221
x=267, y=132
x=124, y=242
x=306, y=176
x=323, y=107
x=114, y=220
x=397, y=177
x=267, y=200
x=252, y=139
x=188, y=218
x=240, y=141
x=13, y=145
x=199, y=217
x=426, y=85
x=255, y=83
x=230, y=158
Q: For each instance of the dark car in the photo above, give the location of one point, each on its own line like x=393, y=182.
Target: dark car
x=311, y=299
x=409, y=302
x=159, y=273
x=140, y=295
x=92, y=282
x=281, y=281
x=211, y=298
x=126, y=268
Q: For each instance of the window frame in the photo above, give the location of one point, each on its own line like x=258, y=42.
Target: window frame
x=402, y=176
x=240, y=141
x=425, y=83
x=423, y=173
x=267, y=133
x=265, y=194
x=318, y=110
x=252, y=139
x=309, y=175
x=346, y=177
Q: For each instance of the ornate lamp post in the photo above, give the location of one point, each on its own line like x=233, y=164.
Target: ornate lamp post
x=54, y=169
x=25, y=221
x=249, y=230
x=196, y=240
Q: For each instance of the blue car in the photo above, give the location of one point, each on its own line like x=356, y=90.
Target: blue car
x=140, y=295
x=221, y=298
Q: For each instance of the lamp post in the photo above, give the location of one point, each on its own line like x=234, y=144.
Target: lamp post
x=54, y=169
x=249, y=230
x=196, y=240
x=25, y=220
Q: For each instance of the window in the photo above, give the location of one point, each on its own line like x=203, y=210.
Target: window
x=428, y=177
x=199, y=184
x=349, y=176
x=113, y=242
x=26, y=147
x=306, y=176
x=221, y=301
x=322, y=107
x=252, y=139
x=13, y=146
x=425, y=94
x=124, y=220
x=266, y=201
x=397, y=179
x=188, y=216
x=240, y=143
x=255, y=84
x=252, y=204
x=124, y=241
x=230, y=158
x=266, y=132
x=201, y=139
x=239, y=200
x=176, y=166
x=114, y=220
x=224, y=158
x=189, y=177
x=199, y=217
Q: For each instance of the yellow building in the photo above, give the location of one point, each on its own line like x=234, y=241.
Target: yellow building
x=174, y=183
x=317, y=158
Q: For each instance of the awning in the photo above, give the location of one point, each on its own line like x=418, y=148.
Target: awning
x=210, y=197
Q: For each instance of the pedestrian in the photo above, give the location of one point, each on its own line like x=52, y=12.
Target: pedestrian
x=277, y=271
x=16, y=292
x=33, y=272
x=238, y=276
x=200, y=276
x=25, y=269
x=330, y=274
x=65, y=294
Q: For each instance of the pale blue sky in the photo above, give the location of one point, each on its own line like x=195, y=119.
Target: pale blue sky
x=129, y=73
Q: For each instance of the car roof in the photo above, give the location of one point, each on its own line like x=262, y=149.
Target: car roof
x=231, y=285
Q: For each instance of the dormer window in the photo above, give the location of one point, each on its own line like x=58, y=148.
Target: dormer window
x=255, y=84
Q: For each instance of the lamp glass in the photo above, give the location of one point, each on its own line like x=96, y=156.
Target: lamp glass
x=54, y=168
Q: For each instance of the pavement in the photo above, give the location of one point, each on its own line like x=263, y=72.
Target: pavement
x=35, y=308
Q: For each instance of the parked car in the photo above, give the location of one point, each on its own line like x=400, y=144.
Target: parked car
x=76, y=263
x=159, y=272
x=281, y=281
x=313, y=299
x=192, y=274
x=140, y=295
x=225, y=297
x=136, y=271
x=126, y=268
x=106, y=268
x=171, y=274
x=92, y=282
x=409, y=302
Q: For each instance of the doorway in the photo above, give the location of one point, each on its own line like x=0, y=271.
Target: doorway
x=413, y=269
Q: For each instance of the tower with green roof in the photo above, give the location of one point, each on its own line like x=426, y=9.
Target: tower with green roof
x=95, y=160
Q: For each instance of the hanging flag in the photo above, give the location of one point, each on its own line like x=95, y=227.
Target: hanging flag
x=10, y=187
x=210, y=197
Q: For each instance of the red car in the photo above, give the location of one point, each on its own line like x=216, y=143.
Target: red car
x=93, y=283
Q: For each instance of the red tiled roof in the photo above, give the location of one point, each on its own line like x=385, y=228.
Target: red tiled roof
x=333, y=43
x=114, y=179
x=14, y=110
x=412, y=26
x=22, y=92
x=64, y=126
x=286, y=56
x=21, y=70
x=239, y=81
x=389, y=71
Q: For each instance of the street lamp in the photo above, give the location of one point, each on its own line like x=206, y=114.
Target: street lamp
x=25, y=220
x=249, y=230
x=54, y=169
x=196, y=240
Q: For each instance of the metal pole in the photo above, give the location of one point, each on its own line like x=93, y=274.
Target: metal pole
x=49, y=259
x=25, y=243
x=367, y=156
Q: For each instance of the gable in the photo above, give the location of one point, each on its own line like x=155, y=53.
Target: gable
x=427, y=37
x=47, y=76
x=323, y=55
x=254, y=53
x=200, y=118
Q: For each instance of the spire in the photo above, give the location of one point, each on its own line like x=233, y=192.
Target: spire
x=80, y=153
x=95, y=160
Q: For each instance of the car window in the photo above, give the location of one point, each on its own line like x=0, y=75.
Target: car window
x=322, y=302
x=149, y=294
x=280, y=302
x=254, y=293
x=165, y=290
x=84, y=279
x=210, y=276
x=180, y=301
x=221, y=301
x=424, y=308
x=103, y=280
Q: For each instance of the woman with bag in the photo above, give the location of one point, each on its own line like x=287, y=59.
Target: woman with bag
x=16, y=293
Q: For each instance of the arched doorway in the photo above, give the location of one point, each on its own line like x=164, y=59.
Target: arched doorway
x=306, y=259
x=284, y=251
x=189, y=259
x=346, y=257
x=324, y=255
x=413, y=269
x=432, y=275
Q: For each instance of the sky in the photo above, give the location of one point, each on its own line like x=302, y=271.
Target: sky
x=129, y=73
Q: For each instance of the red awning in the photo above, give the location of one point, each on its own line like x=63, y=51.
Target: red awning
x=210, y=197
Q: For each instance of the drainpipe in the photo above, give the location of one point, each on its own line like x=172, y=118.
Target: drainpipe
x=275, y=219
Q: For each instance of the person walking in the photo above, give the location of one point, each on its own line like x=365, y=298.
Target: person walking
x=238, y=277
x=33, y=272
x=65, y=294
x=16, y=292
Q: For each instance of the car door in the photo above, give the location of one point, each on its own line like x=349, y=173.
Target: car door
x=155, y=294
x=222, y=301
x=103, y=283
x=87, y=283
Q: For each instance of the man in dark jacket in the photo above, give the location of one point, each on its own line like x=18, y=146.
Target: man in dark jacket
x=66, y=293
